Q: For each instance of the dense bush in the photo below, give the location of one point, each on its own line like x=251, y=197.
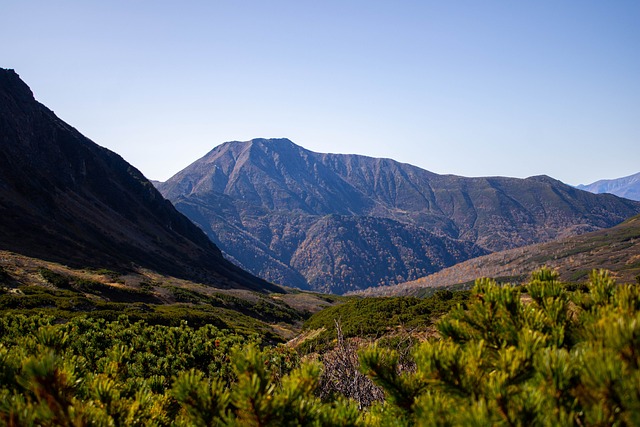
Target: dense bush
x=91, y=371
x=56, y=279
x=78, y=299
x=4, y=276
x=375, y=317
x=551, y=357
x=259, y=307
x=560, y=359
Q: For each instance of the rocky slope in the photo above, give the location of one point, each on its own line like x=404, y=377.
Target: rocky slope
x=627, y=187
x=65, y=199
x=616, y=249
x=343, y=222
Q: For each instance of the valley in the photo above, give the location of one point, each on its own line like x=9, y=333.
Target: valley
x=121, y=307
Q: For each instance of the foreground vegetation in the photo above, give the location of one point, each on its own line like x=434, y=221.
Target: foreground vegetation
x=375, y=318
x=543, y=354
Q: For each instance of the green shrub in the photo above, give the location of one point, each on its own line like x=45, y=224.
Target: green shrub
x=374, y=317
x=186, y=295
x=4, y=275
x=97, y=372
x=262, y=308
x=56, y=279
x=112, y=275
x=560, y=357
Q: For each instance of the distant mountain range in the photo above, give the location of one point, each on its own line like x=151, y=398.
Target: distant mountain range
x=65, y=199
x=628, y=186
x=337, y=223
x=616, y=249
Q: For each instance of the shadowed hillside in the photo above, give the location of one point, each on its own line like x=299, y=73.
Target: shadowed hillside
x=63, y=198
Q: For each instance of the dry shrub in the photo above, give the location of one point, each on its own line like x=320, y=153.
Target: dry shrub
x=341, y=376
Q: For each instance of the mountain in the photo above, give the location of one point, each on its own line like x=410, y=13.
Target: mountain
x=337, y=223
x=616, y=249
x=65, y=199
x=627, y=187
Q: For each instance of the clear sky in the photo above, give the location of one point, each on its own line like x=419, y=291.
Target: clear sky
x=473, y=88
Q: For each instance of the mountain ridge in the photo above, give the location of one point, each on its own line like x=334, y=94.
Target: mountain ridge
x=66, y=199
x=627, y=186
x=274, y=191
x=616, y=249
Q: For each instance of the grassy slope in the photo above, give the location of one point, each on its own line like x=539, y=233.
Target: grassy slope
x=616, y=249
x=29, y=285
x=375, y=318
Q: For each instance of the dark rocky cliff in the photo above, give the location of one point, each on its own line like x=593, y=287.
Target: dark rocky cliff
x=64, y=198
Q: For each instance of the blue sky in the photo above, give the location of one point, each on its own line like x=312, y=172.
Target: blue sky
x=471, y=88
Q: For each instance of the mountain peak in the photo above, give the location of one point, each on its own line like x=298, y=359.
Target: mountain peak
x=236, y=148
x=262, y=142
x=335, y=222
x=274, y=142
x=14, y=92
x=11, y=82
x=544, y=178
